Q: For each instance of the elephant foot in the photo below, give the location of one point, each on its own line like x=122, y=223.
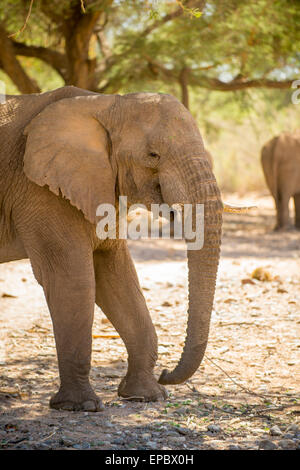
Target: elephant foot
x=141, y=387
x=76, y=400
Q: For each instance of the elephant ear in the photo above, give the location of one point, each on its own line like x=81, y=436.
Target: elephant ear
x=68, y=148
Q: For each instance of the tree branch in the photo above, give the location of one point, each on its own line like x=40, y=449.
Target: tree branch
x=237, y=83
x=174, y=14
x=156, y=67
x=183, y=80
x=12, y=66
x=25, y=23
x=53, y=58
x=240, y=84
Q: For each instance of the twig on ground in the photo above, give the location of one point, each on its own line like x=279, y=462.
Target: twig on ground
x=245, y=389
x=82, y=6
x=48, y=437
x=256, y=413
x=24, y=440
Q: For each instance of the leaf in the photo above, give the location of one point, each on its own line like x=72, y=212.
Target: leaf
x=196, y=12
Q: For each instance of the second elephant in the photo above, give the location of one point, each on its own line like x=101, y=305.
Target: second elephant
x=280, y=159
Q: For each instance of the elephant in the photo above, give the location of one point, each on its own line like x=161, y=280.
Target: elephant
x=63, y=154
x=210, y=158
x=280, y=158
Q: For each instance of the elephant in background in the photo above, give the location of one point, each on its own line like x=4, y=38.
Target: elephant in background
x=65, y=152
x=280, y=158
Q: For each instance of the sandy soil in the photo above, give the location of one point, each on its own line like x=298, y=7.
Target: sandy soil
x=244, y=395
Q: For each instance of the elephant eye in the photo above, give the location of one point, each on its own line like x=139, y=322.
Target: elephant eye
x=153, y=155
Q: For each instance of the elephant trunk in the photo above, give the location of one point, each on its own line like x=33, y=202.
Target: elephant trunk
x=202, y=267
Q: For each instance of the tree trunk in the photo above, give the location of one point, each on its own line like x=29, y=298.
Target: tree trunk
x=77, y=35
x=183, y=82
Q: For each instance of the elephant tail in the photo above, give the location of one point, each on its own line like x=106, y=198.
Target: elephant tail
x=270, y=166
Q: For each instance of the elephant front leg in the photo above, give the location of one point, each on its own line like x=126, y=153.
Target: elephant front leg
x=69, y=287
x=120, y=297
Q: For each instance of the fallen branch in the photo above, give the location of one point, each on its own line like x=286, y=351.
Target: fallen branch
x=247, y=390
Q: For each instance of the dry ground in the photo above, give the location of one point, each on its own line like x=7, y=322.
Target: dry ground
x=243, y=396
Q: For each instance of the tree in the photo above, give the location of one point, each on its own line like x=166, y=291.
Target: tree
x=65, y=26
x=108, y=45
x=235, y=45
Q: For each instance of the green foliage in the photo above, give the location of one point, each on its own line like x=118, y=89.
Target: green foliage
x=155, y=10
x=254, y=39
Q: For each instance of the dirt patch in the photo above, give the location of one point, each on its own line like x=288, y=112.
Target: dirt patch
x=244, y=395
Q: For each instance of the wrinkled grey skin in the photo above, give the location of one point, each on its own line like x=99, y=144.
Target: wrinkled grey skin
x=209, y=158
x=62, y=154
x=280, y=158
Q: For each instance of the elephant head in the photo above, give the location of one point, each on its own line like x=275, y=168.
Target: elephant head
x=90, y=149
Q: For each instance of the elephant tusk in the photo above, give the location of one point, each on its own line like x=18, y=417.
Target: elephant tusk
x=233, y=209
x=229, y=208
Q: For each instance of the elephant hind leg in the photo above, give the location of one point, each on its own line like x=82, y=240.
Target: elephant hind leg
x=297, y=210
x=282, y=208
